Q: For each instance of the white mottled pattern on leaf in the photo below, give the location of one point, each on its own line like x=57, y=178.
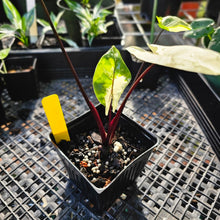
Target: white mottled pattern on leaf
x=188, y=58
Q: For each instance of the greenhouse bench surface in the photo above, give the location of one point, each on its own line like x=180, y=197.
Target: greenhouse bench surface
x=181, y=180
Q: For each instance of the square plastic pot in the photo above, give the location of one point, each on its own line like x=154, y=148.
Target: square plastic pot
x=22, y=83
x=102, y=198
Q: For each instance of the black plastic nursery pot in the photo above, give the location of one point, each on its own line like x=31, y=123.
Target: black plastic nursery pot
x=21, y=81
x=102, y=198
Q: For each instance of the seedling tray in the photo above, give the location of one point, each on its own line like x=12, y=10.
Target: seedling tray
x=181, y=179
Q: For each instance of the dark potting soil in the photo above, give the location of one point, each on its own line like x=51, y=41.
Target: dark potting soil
x=87, y=154
x=19, y=68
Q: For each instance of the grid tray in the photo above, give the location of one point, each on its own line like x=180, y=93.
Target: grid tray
x=181, y=180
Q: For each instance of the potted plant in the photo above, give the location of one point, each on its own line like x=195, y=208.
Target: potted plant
x=20, y=25
x=95, y=24
x=107, y=162
x=102, y=191
x=21, y=80
x=19, y=76
x=96, y=143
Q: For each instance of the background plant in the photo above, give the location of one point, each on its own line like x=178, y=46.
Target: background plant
x=92, y=22
x=60, y=29
x=202, y=29
x=20, y=25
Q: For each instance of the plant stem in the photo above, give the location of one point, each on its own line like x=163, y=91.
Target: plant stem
x=158, y=36
x=142, y=64
x=89, y=103
x=153, y=20
x=4, y=67
x=114, y=122
x=139, y=71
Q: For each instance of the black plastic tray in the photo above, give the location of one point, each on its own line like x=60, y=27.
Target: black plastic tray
x=204, y=104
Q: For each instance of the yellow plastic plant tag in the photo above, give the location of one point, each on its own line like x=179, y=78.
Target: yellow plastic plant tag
x=54, y=113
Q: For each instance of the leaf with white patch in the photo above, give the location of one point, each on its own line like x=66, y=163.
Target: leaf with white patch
x=188, y=58
x=110, y=79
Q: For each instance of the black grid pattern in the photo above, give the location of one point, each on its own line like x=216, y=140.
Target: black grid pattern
x=181, y=180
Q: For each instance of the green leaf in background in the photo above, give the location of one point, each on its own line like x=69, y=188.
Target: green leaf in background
x=205, y=41
x=6, y=30
x=72, y=4
x=58, y=18
x=214, y=44
x=173, y=24
x=188, y=58
x=12, y=14
x=27, y=20
x=200, y=27
x=4, y=53
x=69, y=42
x=110, y=79
x=43, y=23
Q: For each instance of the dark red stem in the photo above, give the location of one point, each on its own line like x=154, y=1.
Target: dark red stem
x=114, y=122
x=89, y=103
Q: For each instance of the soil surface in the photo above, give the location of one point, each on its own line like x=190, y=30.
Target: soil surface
x=88, y=155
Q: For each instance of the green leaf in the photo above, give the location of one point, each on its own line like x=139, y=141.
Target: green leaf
x=188, y=58
x=200, y=27
x=90, y=38
x=27, y=20
x=69, y=42
x=58, y=17
x=96, y=10
x=205, y=41
x=46, y=29
x=52, y=17
x=7, y=29
x=72, y=4
x=110, y=78
x=12, y=13
x=215, y=41
x=4, y=53
x=61, y=30
x=173, y=24
x=43, y=23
